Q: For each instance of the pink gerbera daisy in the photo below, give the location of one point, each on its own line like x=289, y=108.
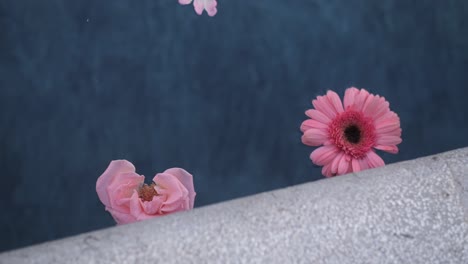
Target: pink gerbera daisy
x=350, y=134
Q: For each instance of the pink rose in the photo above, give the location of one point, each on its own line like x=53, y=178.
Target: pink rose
x=128, y=199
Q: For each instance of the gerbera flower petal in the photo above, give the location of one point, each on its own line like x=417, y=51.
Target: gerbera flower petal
x=323, y=105
x=324, y=155
x=390, y=149
x=335, y=101
x=389, y=118
x=309, y=123
x=388, y=140
x=326, y=170
x=387, y=126
x=314, y=137
x=382, y=108
x=363, y=163
x=356, y=165
x=350, y=95
x=360, y=100
x=387, y=115
x=371, y=105
x=374, y=160
x=317, y=115
x=343, y=165
x=336, y=162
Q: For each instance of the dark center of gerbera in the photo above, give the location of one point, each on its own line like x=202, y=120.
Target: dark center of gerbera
x=147, y=192
x=353, y=134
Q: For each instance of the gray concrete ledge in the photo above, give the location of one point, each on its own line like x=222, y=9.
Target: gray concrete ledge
x=410, y=212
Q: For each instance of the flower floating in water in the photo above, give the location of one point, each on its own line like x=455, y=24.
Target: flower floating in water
x=128, y=199
x=200, y=5
x=350, y=134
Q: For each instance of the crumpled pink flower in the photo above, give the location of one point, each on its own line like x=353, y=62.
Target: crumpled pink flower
x=200, y=5
x=128, y=199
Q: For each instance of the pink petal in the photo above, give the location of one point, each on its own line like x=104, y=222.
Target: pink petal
x=374, y=160
x=185, y=2
x=335, y=101
x=355, y=165
x=387, y=115
x=186, y=179
x=343, y=165
x=210, y=7
x=177, y=196
x=387, y=127
x=396, y=132
x=336, y=162
x=122, y=188
x=326, y=171
x=317, y=115
x=113, y=170
x=371, y=105
x=324, y=155
x=381, y=109
x=350, y=95
x=350, y=167
x=323, y=105
x=121, y=218
x=135, y=206
x=363, y=163
x=389, y=120
x=360, y=99
x=309, y=123
x=314, y=137
x=388, y=140
x=390, y=149
x=199, y=6
x=151, y=207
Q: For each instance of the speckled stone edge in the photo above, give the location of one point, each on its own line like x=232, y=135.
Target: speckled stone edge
x=409, y=212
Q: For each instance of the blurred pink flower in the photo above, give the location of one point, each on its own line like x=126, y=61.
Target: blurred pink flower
x=128, y=199
x=200, y=5
x=349, y=134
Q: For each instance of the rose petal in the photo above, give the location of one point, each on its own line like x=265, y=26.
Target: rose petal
x=121, y=218
x=177, y=196
x=186, y=179
x=185, y=2
x=115, y=168
x=210, y=7
x=122, y=188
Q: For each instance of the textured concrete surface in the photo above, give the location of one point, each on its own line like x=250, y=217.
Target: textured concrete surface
x=410, y=212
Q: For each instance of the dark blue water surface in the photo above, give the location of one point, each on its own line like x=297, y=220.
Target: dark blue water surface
x=84, y=82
